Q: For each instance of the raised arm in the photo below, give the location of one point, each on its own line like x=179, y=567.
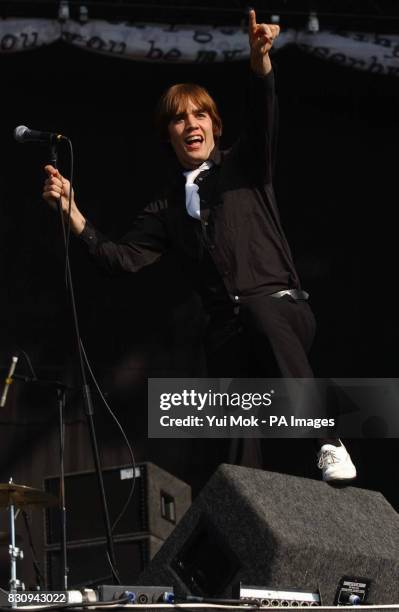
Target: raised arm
x=141, y=246
x=260, y=132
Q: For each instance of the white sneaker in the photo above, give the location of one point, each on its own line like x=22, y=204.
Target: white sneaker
x=335, y=463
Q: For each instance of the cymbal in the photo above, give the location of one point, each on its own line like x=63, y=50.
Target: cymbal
x=20, y=496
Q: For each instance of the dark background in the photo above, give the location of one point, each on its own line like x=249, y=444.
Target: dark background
x=336, y=183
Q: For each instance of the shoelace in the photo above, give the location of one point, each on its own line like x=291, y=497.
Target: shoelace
x=327, y=457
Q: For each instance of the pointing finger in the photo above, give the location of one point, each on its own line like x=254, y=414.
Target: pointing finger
x=252, y=22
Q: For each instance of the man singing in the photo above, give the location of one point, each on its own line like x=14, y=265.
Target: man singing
x=218, y=213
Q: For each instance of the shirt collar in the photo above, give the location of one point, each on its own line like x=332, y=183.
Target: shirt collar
x=206, y=165
x=176, y=170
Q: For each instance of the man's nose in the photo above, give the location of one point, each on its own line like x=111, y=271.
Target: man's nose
x=191, y=121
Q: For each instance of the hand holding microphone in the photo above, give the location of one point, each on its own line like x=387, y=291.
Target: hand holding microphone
x=57, y=188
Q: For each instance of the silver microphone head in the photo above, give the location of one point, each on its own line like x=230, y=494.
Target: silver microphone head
x=20, y=132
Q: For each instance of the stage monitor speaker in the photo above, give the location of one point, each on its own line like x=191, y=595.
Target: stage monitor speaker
x=158, y=503
x=88, y=565
x=278, y=531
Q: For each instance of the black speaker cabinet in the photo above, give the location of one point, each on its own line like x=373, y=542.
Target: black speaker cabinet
x=88, y=566
x=158, y=503
x=278, y=531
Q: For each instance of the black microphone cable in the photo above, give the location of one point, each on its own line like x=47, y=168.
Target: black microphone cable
x=66, y=231
x=67, y=235
x=124, y=436
x=28, y=361
x=36, y=565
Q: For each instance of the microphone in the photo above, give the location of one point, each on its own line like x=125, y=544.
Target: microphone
x=23, y=134
x=8, y=381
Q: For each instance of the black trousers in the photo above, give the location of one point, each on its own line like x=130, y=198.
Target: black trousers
x=264, y=337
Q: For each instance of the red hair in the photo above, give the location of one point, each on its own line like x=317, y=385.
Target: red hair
x=175, y=101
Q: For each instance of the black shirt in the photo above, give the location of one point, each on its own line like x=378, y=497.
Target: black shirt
x=238, y=248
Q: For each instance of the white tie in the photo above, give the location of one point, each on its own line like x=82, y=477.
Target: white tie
x=192, y=197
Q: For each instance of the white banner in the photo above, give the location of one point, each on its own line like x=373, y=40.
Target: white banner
x=373, y=53
x=26, y=34
x=159, y=43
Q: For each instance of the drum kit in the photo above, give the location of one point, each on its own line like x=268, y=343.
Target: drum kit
x=17, y=497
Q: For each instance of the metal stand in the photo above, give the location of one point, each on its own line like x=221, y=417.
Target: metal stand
x=61, y=405
x=61, y=401
x=15, y=554
x=15, y=497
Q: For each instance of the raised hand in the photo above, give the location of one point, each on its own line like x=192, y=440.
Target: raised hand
x=261, y=37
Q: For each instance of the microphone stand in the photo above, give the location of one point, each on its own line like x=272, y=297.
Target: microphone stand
x=89, y=409
x=61, y=401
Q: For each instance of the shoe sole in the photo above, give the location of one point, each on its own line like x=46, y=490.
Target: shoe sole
x=342, y=482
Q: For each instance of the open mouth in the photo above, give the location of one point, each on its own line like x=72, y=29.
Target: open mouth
x=193, y=142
